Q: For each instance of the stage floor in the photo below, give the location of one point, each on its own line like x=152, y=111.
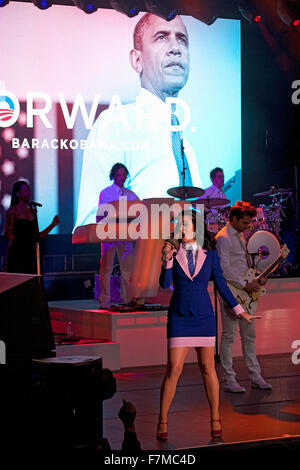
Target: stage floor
x=253, y=415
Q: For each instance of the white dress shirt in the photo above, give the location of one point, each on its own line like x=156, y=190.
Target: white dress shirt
x=144, y=146
x=213, y=191
x=232, y=251
x=115, y=193
x=194, y=247
x=187, y=246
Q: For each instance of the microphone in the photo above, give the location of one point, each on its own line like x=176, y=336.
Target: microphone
x=37, y=204
x=175, y=244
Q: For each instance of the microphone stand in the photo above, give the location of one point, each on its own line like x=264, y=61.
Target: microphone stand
x=253, y=255
x=297, y=203
x=183, y=169
x=33, y=208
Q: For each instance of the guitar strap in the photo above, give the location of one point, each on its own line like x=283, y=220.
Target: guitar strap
x=248, y=256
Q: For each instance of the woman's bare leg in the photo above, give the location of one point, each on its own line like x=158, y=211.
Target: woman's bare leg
x=206, y=361
x=176, y=357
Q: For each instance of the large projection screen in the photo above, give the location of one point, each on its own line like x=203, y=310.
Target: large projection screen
x=61, y=69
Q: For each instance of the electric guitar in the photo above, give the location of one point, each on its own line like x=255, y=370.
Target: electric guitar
x=248, y=300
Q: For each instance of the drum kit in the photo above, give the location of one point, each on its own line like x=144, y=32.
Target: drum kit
x=216, y=210
x=263, y=236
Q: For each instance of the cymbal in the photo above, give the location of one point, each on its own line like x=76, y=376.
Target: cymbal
x=281, y=191
x=274, y=192
x=185, y=192
x=212, y=201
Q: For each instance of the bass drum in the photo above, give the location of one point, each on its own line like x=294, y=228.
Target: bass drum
x=266, y=246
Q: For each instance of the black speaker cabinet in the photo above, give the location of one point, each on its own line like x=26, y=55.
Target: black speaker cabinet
x=67, y=402
x=25, y=326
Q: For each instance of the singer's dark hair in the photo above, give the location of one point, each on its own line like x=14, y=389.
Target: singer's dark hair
x=115, y=168
x=16, y=188
x=209, y=239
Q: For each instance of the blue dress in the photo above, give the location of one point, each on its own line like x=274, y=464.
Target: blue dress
x=191, y=318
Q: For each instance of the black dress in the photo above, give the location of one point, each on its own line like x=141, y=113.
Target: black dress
x=21, y=251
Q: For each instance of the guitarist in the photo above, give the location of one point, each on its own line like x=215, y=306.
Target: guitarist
x=235, y=262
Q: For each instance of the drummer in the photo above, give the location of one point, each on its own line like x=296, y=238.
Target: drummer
x=215, y=191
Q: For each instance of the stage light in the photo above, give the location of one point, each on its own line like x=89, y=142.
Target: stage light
x=3, y=3
x=249, y=15
x=88, y=6
x=162, y=9
x=125, y=6
x=289, y=12
x=206, y=12
x=42, y=4
x=209, y=20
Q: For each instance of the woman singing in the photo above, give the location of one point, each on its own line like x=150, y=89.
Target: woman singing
x=191, y=320
x=22, y=232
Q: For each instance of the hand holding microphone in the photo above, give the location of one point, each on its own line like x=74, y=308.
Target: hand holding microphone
x=171, y=245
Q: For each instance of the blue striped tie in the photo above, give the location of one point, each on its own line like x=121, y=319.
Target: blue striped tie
x=177, y=146
x=191, y=264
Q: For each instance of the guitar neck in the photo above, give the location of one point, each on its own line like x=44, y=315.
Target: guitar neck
x=270, y=268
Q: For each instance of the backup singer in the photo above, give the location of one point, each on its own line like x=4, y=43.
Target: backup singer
x=22, y=232
x=191, y=321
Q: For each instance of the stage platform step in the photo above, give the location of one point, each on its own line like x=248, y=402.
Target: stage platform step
x=142, y=335
x=109, y=351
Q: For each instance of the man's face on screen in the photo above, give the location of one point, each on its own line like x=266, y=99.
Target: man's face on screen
x=165, y=56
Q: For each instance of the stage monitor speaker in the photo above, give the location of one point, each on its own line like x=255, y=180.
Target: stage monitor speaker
x=25, y=326
x=67, y=401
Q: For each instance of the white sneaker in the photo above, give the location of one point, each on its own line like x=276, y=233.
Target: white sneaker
x=261, y=384
x=234, y=387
